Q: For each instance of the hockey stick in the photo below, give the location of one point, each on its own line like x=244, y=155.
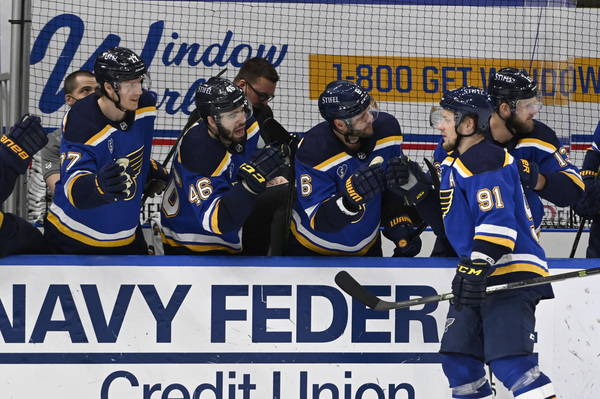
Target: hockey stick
x=281, y=135
x=580, y=229
x=353, y=288
x=577, y=238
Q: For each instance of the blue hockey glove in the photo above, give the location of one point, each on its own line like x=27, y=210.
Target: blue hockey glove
x=23, y=140
x=111, y=183
x=399, y=231
x=366, y=182
x=156, y=180
x=470, y=282
x=589, y=204
x=528, y=173
x=264, y=164
x=406, y=179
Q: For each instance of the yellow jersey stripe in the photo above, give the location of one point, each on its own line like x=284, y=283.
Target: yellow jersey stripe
x=86, y=239
x=324, y=251
x=520, y=267
x=505, y=242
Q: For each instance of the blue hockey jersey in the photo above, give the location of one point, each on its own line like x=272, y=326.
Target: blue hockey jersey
x=203, y=171
x=542, y=147
x=486, y=215
x=91, y=141
x=323, y=164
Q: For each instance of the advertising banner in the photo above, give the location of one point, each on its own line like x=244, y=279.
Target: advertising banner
x=242, y=328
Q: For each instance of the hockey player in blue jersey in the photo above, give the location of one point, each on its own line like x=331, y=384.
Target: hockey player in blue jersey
x=105, y=162
x=545, y=167
x=588, y=207
x=488, y=222
x=25, y=138
x=217, y=175
x=340, y=168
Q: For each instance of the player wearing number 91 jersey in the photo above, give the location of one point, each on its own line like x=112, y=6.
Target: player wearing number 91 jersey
x=488, y=222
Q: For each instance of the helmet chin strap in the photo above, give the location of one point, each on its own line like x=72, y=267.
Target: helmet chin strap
x=117, y=103
x=508, y=124
x=347, y=135
x=460, y=137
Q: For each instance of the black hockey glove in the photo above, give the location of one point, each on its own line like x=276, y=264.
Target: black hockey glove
x=470, y=282
x=111, y=183
x=589, y=204
x=399, y=231
x=362, y=186
x=156, y=180
x=406, y=179
x=528, y=173
x=264, y=165
x=23, y=140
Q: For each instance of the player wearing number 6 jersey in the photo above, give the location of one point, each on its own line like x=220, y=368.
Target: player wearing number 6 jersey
x=340, y=168
x=217, y=175
x=487, y=220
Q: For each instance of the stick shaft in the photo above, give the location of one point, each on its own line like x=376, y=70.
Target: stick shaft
x=357, y=291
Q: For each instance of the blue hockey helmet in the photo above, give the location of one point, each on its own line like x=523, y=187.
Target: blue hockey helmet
x=510, y=85
x=469, y=101
x=119, y=64
x=218, y=95
x=343, y=100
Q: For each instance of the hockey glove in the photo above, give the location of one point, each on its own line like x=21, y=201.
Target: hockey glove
x=589, y=204
x=264, y=164
x=157, y=179
x=24, y=139
x=528, y=173
x=111, y=183
x=406, y=179
x=470, y=282
x=362, y=186
x=399, y=230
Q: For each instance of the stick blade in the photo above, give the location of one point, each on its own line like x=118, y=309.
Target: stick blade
x=353, y=288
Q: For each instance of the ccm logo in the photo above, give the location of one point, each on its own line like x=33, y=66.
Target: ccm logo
x=14, y=147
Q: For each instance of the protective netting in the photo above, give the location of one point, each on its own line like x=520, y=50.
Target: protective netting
x=407, y=53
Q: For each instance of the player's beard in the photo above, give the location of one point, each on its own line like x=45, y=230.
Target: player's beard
x=449, y=144
x=519, y=125
x=360, y=133
x=228, y=135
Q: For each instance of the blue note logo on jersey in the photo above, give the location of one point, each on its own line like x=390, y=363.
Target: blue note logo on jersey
x=446, y=200
x=341, y=171
x=133, y=166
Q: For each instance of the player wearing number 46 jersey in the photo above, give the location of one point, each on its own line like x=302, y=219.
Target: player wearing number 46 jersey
x=487, y=220
x=105, y=156
x=217, y=175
